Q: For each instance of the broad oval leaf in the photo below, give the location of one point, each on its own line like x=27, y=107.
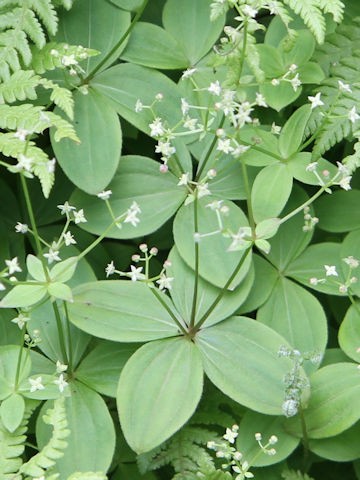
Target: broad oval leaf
x=111, y=309
x=253, y=422
x=128, y=4
x=334, y=402
x=137, y=180
x=349, y=333
x=191, y=28
x=298, y=316
x=93, y=24
x=91, y=443
x=92, y=164
x=183, y=288
x=12, y=411
x=9, y=355
x=270, y=192
x=158, y=391
x=23, y=296
x=152, y=46
x=240, y=356
x=297, y=167
x=344, y=447
x=292, y=132
x=339, y=212
x=216, y=265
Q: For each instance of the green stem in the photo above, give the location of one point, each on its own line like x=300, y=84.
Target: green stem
x=212, y=307
x=354, y=303
x=97, y=241
x=243, y=53
x=69, y=339
x=61, y=334
x=305, y=439
x=196, y=284
x=209, y=152
x=18, y=367
x=303, y=205
x=248, y=196
x=118, y=44
x=262, y=150
x=156, y=293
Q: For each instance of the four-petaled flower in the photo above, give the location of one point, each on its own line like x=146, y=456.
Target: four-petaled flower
x=330, y=270
x=315, y=101
x=110, y=269
x=79, y=216
x=35, y=384
x=105, y=194
x=13, y=265
x=61, y=383
x=20, y=320
x=136, y=274
x=164, y=282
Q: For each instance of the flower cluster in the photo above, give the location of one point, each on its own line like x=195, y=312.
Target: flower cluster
x=330, y=271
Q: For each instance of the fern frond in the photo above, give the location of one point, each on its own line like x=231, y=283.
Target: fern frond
x=87, y=476
x=12, y=444
x=64, y=3
x=310, y=12
x=335, y=7
x=21, y=86
x=295, y=475
x=54, y=449
x=62, y=97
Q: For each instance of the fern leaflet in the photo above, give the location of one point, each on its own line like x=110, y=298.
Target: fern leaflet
x=295, y=475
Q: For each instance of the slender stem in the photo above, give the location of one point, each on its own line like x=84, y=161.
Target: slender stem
x=354, y=303
x=196, y=283
x=212, y=307
x=97, y=241
x=262, y=150
x=18, y=367
x=302, y=206
x=305, y=439
x=69, y=339
x=243, y=53
x=118, y=44
x=248, y=196
x=61, y=333
x=156, y=293
x=209, y=152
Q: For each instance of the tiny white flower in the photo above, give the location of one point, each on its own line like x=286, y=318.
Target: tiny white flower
x=135, y=273
x=52, y=256
x=60, y=367
x=258, y=437
x=13, y=265
x=330, y=270
x=260, y=100
x=105, y=194
x=188, y=73
x=21, y=134
x=35, y=384
x=156, y=128
x=275, y=129
x=273, y=440
x=61, y=383
x=344, y=87
x=66, y=208
x=164, y=282
x=131, y=217
x=239, y=150
x=293, y=67
x=51, y=165
x=69, y=239
x=215, y=88
x=275, y=82
x=110, y=269
x=224, y=145
x=68, y=60
x=190, y=123
x=24, y=163
x=184, y=179
x=202, y=190
x=351, y=261
x=352, y=115
x=138, y=106
x=184, y=106
x=2, y=287
x=315, y=101
x=311, y=167
x=165, y=148
x=249, y=11
x=295, y=82
x=21, y=227
x=20, y=320
x=345, y=183
x=79, y=216
x=230, y=435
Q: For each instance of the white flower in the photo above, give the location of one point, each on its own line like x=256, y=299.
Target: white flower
x=60, y=367
x=352, y=115
x=311, y=167
x=20, y=320
x=249, y=11
x=68, y=60
x=21, y=227
x=52, y=256
x=35, y=384
x=21, y=134
x=215, y=88
x=188, y=73
x=344, y=87
x=343, y=169
x=61, y=383
x=239, y=150
x=202, y=190
x=258, y=437
x=351, y=261
x=110, y=269
x=66, y=208
x=184, y=106
x=138, y=106
x=13, y=265
x=224, y=145
x=24, y=163
x=165, y=148
x=315, y=101
x=190, y=123
x=184, y=179
x=295, y=82
x=135, y=273
x=230, y=435
x=51, y=165
x=275, y=82
x=275, y=129
x=164, y=282
x=69, y=239
x=79, y=216
x=345, y=183
x=156, y=127
x=260, y=100
x=330, y=270
x=2, y=287
x=105, y=194
x=131, y=214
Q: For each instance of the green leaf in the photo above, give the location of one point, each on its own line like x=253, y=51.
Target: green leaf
x=302, y=49
x=349, y=333
x=124, y=84
x=35, y=268
x=43, y=319
x=339, y=212
x=60, y=290
x=270, y=191
x=351, y=247
x=310, y=264
x=279, y=96
x=9, y=355
x=298, y=316
x=333, y=405
x=297, y=167
x=111, y=309
x=253, y=422
x=158, y=391
x=191, y=28
x=49, y=392
x=267, y=228
x=94, y=121
x=128, y=4
x=101, y=368
x=240, y=356
x=137, y=179
x=311, y=72
x=96, y=25
x=91, y=442
x=344, y=447
x=183, y=288
x=23, y=296
x=63, y=271
x=292, y=133
x=10, y=334
x=152, y=46
x=268, y=142
x=12, y=411
x=215, y=264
